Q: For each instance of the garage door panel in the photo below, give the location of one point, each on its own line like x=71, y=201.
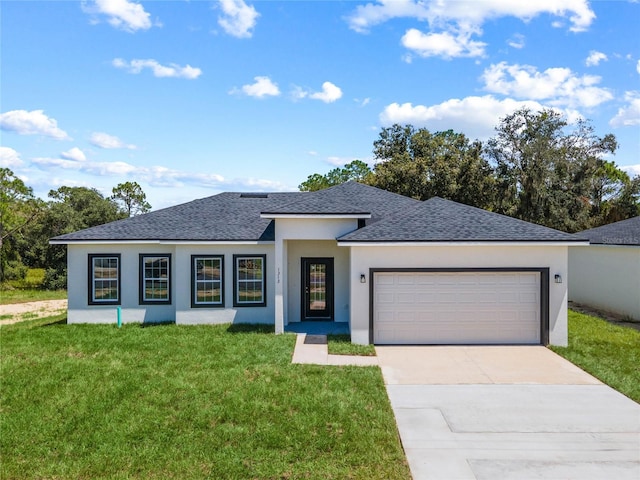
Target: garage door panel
x=457, y=307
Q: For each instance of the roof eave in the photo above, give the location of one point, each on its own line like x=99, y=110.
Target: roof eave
x=316, y=215
x=460, y=243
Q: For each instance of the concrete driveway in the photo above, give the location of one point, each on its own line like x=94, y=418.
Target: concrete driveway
x=478, y=413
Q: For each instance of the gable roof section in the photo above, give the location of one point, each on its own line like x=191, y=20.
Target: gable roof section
x=223, y=217
x=380, y=203
x=234, y=217
x=310, y=204
x=350, y=198
x=439, y=220
x=624, y=232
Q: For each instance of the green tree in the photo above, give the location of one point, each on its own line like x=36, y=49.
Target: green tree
x=18, y=208
x=70, y=209
x=132, y=198
x=421, y=164
x=357, y=171
x=545, y=169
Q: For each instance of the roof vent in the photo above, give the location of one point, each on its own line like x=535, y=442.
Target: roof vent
x=254, y=195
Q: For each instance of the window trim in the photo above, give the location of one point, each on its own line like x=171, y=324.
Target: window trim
x=236, y=302
x=91, y=285
x=194, y=282
x=141, y=280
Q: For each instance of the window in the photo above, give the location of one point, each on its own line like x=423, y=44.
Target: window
x=155, y=279
x=206, y=281
x=249, y=281
x=104, y=279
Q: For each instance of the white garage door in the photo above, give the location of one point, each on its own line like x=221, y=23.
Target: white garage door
x=456, y=307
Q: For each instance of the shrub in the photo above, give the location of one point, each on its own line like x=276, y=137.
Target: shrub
x=15, y=270
x=55, y=279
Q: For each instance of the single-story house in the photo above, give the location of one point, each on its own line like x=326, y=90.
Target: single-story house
x=395, y=269
x=606, y=273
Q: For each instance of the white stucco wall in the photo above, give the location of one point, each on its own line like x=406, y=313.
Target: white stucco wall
x=180, y=309
x=606, y=277
x=461, y=256
x=79, y=310
x=288, y=233
x=229, y=314
x=296, y=250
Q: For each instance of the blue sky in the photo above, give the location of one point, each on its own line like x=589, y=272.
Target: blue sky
x=191, y=98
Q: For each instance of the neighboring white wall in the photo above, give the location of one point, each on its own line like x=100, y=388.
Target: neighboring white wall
x=606, y=277
x=461, y=256
x=229, y=314
x=296, y=250
x=79, y=310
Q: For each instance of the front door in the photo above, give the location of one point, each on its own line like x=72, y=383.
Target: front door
x=317, y=288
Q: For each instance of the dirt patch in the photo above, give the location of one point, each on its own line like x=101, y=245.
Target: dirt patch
x=610, y=317
x=21, y=312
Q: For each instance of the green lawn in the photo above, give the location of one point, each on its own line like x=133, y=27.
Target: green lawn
x=341, y=345
x=23, y=295
x=609, y=352
x=95, y=401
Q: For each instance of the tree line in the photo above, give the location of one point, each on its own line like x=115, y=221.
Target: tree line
x=27, y=223
x=537, y=167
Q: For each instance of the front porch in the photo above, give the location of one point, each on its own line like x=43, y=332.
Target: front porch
x=318, y=328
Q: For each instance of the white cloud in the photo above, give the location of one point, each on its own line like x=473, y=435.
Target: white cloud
x=262, y=87
x=475, y=116
x=557, y=86
x=595, y=58
x=632, y=170
x=172, y=70
x=451, y=24
x=74, y=154
x=638, y=67
x=445, y=44
x=439, y=12
x=9, y=158
x=629, y=115
x=516, y=41
x=156, y=176
x=329, y=94
x=238, y=18
x=34, y=122
x=121, y=14
x=104, y=140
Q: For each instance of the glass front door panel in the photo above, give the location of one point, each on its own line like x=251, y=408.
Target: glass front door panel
x=318, y=286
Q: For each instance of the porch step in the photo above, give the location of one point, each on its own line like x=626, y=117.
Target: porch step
x=312, y=349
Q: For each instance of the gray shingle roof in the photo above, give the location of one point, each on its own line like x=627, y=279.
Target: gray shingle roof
x=439, y=220
x=314, y=204
x=236, y=216
x=394, y=218
x=227, y=216
x=625, y=232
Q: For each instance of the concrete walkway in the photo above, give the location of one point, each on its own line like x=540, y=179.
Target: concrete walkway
x=475, y=413
x=312, y=349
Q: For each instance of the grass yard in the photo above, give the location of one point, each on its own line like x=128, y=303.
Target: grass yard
x=341, y=345
x=95, y=401
x=609, y=352
x=20, y=295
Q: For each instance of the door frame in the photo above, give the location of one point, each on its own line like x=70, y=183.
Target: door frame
x=330, y=285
